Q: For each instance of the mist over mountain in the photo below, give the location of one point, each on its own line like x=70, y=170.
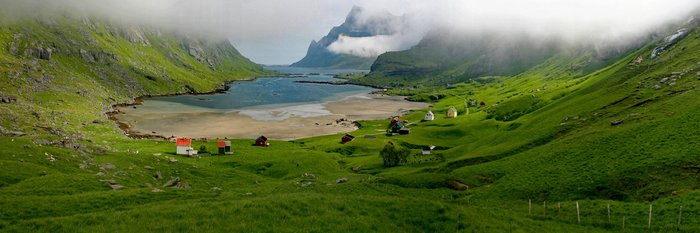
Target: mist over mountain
x=259, y=27
x=451, y=54
x=363, y=36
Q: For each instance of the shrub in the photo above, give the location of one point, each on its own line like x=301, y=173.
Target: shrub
x=394, y=155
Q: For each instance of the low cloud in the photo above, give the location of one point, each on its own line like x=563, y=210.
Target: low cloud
x=371, y=46
x=279, y=25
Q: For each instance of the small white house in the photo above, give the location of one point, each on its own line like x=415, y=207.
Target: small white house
x=428, y=149
x=429, y=116
x=184, y=147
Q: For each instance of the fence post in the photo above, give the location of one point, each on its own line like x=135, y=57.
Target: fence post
x=649, y=224
x=623, y=222
x=558, y=207
x=578, y=213
x=544, y=212
x=608, y=213
x=529, y=207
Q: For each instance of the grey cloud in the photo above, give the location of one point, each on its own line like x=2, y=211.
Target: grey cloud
x=281, y=23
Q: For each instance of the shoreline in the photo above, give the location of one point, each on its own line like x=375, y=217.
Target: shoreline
x=164, y=120
x=129, y=130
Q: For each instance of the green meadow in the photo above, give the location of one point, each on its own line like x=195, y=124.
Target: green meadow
x=543, y=144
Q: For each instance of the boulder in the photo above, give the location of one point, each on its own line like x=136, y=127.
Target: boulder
x=112, y=182
x=45, y=53
x=172, y=182
x=87, y=57
x=215, y=189
x=107, y=166
x=156, y=190
x=158, y=175
x=183, y=184
x=617, y=122
x=342, y=180
x=5, y=132
x=308, y=176
x=171, y=159
x=458, y=185
x=117, y=187
x=8, y=99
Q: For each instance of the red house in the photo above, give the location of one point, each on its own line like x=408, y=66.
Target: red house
x=347, y=138
x=184, y=147
x=222, y=147
x=262, y=141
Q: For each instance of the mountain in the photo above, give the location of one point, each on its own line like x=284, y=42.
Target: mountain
x=88, y=65
x=358, y=24
x=445, y=56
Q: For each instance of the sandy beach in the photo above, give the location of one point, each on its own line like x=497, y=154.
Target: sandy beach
x=275, y=122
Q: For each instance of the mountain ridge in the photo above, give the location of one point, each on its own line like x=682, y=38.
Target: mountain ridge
x=355, y=26
x=114, y=62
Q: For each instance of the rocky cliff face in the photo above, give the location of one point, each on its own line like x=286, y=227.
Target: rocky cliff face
x=358, y=24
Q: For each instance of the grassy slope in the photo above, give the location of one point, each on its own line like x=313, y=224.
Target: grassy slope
x=444, y=58
x=94, y=65
x=563, y=150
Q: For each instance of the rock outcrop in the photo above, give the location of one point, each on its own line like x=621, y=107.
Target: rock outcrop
x=357, y=25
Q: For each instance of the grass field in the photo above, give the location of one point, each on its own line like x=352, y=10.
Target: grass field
x=543, y=137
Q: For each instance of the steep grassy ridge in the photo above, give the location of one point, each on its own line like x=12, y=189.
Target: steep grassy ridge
x=66, y=72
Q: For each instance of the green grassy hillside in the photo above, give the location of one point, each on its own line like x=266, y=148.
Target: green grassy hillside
x=446, y=56
x=544, y=137
x=66, y=72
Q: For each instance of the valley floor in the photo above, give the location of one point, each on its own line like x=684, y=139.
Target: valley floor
x=284, y=122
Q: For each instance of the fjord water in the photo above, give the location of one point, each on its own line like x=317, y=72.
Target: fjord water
x=278, y=107
x=282, y=90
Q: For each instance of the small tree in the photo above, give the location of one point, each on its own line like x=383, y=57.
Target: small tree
x=203, y=149
x=393, y=155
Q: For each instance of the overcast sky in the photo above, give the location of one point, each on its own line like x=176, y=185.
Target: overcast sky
x=279, y=31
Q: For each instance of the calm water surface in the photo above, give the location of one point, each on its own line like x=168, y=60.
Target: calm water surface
x=275, y=91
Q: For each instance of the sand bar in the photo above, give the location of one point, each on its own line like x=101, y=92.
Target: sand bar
x=275, y=122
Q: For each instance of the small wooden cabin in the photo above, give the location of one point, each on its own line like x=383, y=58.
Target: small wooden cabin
x=222, y=147
x=227, y=148
x=397, y=119
x=428, y=149
x=262, y=141
x=452, y=112
x=184, y=147
x=347, y=138
x=398, y=125
x=429, y=116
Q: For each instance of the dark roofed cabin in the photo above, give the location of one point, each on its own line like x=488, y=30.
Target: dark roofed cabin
x=262, y=141
x=347, y=138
